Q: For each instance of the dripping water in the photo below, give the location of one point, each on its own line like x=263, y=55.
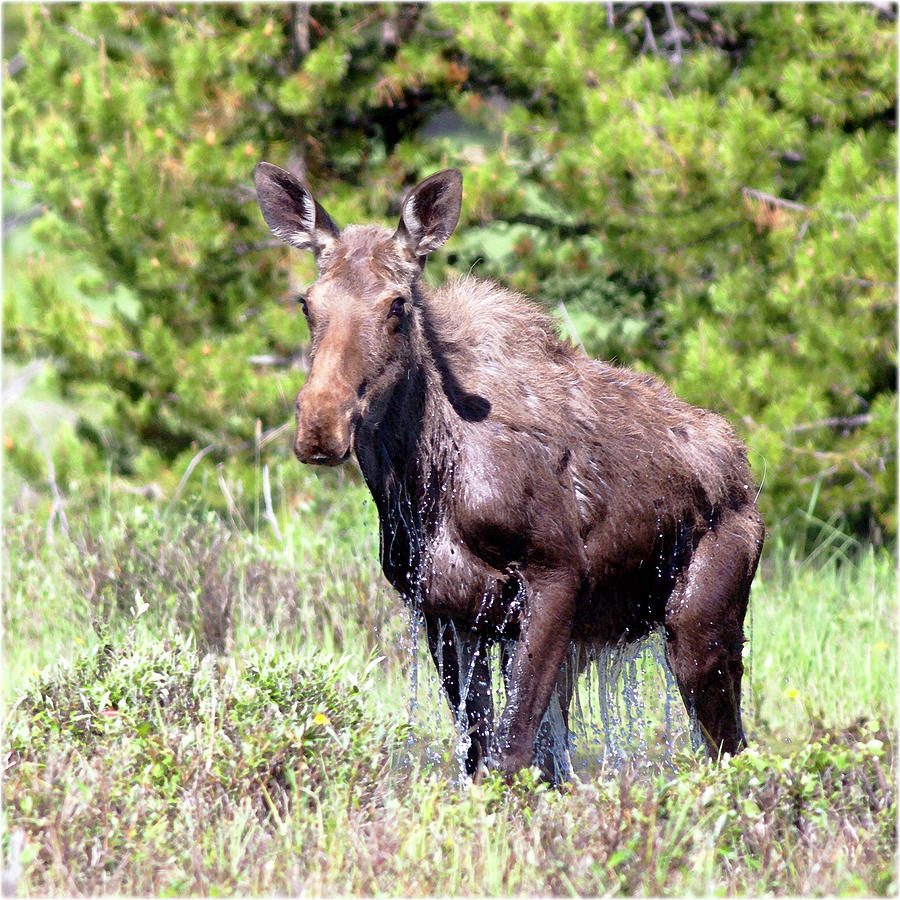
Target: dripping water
x=414, y=618
x=633, y=717
x=625, y=712
x=410, y=644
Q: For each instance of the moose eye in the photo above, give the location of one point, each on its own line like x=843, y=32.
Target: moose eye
x=301, y=301
x=398, y=307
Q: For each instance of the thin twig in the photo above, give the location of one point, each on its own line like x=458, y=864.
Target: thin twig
x=81, y=36
x=861, y=471
x=57, y=511
x=267, y=495
x=16, y=387
x=793, y=206
x=866, y=283
x=801, y=233
x=191, y=466
x=233, y=511
x=649, y=39
x=772, y=200
x=20, y=220
x=655, y=132
x=270, y=359
x=675, y=31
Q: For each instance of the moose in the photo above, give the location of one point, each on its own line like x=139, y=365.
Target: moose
x=528, y=496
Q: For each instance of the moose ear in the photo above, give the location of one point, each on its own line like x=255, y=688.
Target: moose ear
x=291, y=211
x=430, y=212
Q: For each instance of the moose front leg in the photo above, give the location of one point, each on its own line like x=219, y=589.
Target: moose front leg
x=543, y=642
x=461, y=658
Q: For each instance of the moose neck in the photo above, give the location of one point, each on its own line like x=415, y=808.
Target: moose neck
x=405, y=448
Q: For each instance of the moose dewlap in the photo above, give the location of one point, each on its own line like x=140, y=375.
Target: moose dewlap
x=527, y=495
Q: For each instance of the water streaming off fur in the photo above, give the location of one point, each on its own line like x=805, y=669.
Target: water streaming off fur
x=635, y=717
x=626, y=712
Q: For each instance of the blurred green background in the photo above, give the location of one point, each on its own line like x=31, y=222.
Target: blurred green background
x=703, y=192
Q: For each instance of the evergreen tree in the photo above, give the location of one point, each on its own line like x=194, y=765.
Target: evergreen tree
x=704, y=192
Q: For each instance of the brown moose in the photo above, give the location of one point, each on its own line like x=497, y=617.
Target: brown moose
x=527, y=494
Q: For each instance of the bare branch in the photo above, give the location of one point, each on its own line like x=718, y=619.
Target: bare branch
x=20, y=220
x=834, y=422
x=270, y=359
x=773, y=202
x=866, y=283
x=17, y=386
x=81, y=36
x=649, y=39
x=299, y=33
x=675, y=32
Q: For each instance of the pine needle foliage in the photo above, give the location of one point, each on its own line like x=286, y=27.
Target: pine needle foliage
x=705, y=192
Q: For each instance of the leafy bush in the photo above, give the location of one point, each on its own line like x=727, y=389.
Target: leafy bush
x=143, y=768
x=139, y=758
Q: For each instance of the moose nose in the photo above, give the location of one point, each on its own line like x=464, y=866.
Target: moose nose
x=323, y=434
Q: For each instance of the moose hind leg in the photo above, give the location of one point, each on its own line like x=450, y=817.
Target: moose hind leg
x=461, y=658
x=705, y=628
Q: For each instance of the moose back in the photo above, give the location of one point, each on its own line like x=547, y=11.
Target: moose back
x=527, y=494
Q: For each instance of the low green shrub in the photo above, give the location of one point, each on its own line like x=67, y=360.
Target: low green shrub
x=124, y=766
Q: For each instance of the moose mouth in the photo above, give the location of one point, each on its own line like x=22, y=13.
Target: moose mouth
x=323, y=460
x=323, y=453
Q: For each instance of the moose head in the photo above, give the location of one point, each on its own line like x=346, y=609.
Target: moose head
x=359, y=309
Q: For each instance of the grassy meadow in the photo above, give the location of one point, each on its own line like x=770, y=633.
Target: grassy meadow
x=195, y=705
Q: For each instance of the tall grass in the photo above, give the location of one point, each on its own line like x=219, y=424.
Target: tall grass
x=193, y=708
x=823, y=641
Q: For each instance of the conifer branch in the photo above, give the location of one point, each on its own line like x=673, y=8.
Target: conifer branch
x=655, y=132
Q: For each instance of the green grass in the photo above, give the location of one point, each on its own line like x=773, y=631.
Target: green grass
x=191, y=708
x=824, y=641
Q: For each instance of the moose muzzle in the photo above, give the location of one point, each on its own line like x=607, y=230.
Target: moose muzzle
x=325, y=419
